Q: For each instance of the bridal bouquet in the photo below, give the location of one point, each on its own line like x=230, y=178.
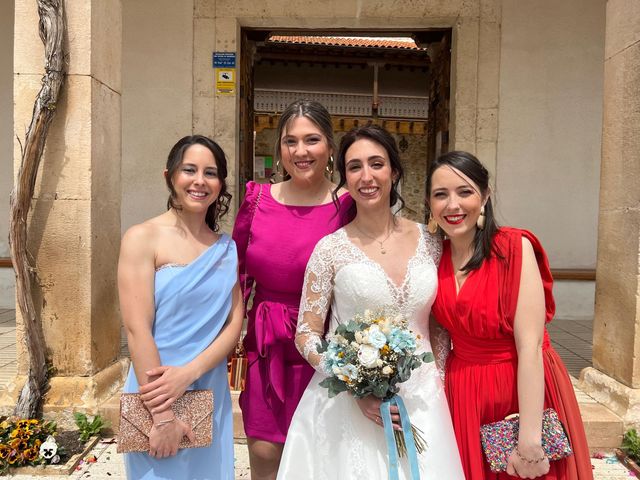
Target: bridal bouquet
x=371, y=355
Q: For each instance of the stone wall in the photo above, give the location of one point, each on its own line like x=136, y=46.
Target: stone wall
x=615, y=378
x=157, y=77
x=74, y=222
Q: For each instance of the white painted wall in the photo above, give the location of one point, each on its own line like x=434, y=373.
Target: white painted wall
x=551, y=91
x=574, y=299
x=7, y=278
x=157, y=55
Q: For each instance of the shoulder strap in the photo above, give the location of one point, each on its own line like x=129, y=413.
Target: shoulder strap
x=253, y=214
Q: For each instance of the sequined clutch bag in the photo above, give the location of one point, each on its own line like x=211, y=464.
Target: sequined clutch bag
x=499, y=439
x=195, y=408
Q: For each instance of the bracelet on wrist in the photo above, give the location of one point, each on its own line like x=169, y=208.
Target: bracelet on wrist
x=164, y=422
x=531, y=461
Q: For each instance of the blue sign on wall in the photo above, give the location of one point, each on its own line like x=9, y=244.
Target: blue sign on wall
x=224, y=60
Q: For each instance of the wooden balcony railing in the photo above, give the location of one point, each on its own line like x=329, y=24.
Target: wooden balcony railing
x=579, y=274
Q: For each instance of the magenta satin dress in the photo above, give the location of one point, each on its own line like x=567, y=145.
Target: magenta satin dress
x=272, y=257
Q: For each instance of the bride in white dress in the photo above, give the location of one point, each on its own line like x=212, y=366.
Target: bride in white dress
x=378, y=260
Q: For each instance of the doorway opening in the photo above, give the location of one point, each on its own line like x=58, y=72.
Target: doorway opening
x=399, y=80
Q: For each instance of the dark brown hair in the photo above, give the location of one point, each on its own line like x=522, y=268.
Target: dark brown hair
x=221, y=206
x=383, y=138
x=471, y=167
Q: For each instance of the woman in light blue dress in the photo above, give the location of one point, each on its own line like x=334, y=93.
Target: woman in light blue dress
x=182, y=310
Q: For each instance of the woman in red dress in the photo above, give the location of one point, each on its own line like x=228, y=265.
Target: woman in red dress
x=494, y=299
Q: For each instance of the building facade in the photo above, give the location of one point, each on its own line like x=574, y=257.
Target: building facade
x=537, y=90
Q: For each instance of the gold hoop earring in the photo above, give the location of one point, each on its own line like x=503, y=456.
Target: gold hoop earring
x=432, y=225
x=481, y=219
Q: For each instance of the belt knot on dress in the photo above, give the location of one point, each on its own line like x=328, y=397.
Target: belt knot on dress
x=275, y=327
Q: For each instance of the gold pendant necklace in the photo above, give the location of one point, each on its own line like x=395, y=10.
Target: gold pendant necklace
x=381, y=243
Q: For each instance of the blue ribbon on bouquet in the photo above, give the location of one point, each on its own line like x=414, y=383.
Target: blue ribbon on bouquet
x=405, y=423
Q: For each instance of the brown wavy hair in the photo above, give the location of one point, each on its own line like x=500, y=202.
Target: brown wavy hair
x=218, y=208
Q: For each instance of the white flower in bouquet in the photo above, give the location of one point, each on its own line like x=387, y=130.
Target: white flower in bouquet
x=368, y=355
x=340, y=340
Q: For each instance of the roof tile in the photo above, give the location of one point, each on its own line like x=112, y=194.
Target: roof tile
x=367, y=42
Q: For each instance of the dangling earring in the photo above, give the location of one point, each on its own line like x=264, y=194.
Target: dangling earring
x=329, y=167
x=432, y=225
x=280, y=175
x=273, y=178
x=481, y=219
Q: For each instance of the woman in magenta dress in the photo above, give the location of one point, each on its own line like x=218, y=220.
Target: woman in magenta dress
x=494, y=298
x=276, y=229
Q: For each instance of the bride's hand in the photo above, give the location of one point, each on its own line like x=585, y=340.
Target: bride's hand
x=370, y=408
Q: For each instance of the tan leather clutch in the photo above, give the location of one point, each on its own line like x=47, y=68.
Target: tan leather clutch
x=195, y=408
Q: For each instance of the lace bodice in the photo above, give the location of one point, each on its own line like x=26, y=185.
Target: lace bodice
x=339, y=275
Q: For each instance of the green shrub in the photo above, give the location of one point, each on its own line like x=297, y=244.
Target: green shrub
x=89, y=429
x=631, y=444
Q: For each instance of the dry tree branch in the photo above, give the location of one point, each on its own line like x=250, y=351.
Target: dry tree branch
x=52, y=30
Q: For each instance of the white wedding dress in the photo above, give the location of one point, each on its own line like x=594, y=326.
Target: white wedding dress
x=330, y=438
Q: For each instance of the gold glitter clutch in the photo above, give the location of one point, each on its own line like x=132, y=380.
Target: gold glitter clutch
x=195, y=408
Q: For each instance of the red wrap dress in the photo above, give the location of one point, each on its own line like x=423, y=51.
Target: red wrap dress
x=481, y=371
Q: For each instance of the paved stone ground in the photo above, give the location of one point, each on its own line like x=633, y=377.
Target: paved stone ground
x=109, y=466
x=573, y=340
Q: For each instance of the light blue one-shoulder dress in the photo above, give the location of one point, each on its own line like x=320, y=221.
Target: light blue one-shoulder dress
x=192, y=303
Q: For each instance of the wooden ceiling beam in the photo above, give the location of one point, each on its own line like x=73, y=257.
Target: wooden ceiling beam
x=340, y=59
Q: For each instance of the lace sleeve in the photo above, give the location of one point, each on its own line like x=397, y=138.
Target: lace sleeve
x=440, y=344
x=314, y=304
x=434, y=246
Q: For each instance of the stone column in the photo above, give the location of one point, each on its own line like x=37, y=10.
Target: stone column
x=615, y=378
x=74, y=226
